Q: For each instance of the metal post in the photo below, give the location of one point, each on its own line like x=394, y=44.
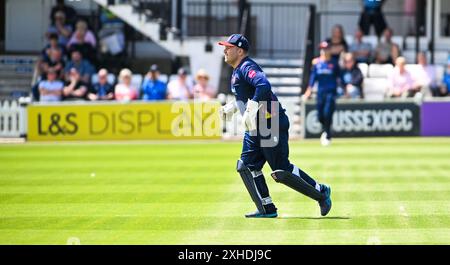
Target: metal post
x=433, y=22
x=208, y=46
x=271, y=31
x=417, y=29
x=309, y=49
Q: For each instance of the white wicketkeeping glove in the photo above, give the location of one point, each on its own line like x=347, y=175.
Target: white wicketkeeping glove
x=249, y=117
x=226, y=112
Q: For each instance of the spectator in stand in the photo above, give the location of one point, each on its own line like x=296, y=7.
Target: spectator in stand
x=424, y=76
x=51, y=89
x=68, y=11
x=76, y=88
x=61, y=28
x=82, y=65
x=101, y=90
x=351, y=78
x=387, y=52
x=52, y=44
x=361, y=50
x=202, y=90
x=83, y=40
x=401, y=83
x=124, y=90
x=180, y=89
x=152, y=87
x=337, y=43
x=82, y=33
x=372, y=15
x=54, y=62
x=445, y=88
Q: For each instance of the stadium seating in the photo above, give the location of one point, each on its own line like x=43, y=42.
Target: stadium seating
x=440, y=71
x=398, y=40
x=136, y=80
x=164, y=78
x=373, y=40
x=364, y=69
x=375, y=88
x=380, y=70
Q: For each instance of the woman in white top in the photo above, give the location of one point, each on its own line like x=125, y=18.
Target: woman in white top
x=125, y=91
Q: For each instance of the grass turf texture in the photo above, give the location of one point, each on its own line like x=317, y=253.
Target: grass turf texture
x=385, y=191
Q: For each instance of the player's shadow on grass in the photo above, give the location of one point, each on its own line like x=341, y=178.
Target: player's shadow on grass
x=314, y=218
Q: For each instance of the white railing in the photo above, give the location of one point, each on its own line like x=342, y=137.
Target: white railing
x=13, y=119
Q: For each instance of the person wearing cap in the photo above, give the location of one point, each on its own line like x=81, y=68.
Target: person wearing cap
x=261, y=110
x=153, y=88
x=180, y=88
x=326, y=73
x=202, y=89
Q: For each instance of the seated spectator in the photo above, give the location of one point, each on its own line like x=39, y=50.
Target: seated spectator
x=180, y=89
x=76, y=88
x=124, y=90
x=50, y=90
x=202, y=90
x=101, y=90
x=86, y=51
x=68, y=11
x=53, y=44
x=351, y=78
x=82, y=65
x=152, y=87
x=83, y=40
x=82, y=34
x=54, y=62
x=400, y=80
x=445, y=88
x=387, y=52
x=361, y=50
x=337, y=43
x=424, y=76
x=61, y=28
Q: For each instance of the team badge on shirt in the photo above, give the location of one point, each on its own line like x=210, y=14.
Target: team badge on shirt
x=252, y=74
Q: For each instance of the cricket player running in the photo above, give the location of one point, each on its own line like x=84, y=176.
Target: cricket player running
x=256, y=102
x=326, y=73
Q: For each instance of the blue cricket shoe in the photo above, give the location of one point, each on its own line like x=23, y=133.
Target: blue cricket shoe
x=257, y=214
x=270, y=212
x=325, y=204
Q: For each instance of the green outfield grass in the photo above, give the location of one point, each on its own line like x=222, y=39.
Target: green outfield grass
x=385, y=191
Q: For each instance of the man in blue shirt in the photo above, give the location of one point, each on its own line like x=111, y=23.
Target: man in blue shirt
x=372, y=15
x=445, y=90
x=260, y=108
x=152, y=87
x=326, y=73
